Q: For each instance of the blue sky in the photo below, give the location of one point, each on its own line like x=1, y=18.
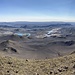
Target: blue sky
x=37, y=10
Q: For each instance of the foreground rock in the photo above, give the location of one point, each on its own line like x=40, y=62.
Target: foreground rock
x=56, y=66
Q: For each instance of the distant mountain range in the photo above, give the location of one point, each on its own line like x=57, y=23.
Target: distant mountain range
x=34, y=24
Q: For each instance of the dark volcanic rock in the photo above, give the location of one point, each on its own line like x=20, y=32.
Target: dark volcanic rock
x=10, y=49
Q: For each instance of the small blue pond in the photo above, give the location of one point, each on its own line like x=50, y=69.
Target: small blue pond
x=23, y=34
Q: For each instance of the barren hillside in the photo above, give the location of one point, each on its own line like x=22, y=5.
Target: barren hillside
x=56, y=66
